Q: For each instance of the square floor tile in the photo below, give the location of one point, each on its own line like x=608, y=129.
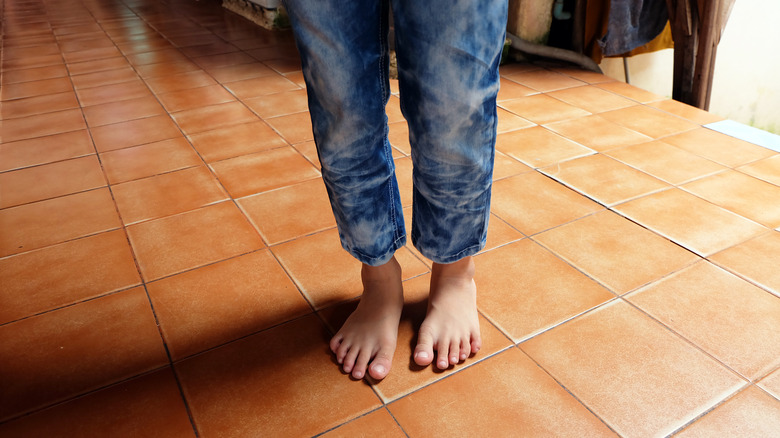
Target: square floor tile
x=295, y=128
x=704, y=303
x=122, y=111
x=138, y=162
x=290, y=212
x=156, y=57
x=377, y=423
x=630, y=91
x=195, y=97
x=182, y=81
x=47, y=103
x=210, y=117
x=241, y=390
x=649, y=121
x=512, y=90
x=666, y=162
x=218, y=303
x=32, y=62
x=108, y=77
x=232, y=141
x=150, y=405
x=749, y=413
x=285, y=65
x=234, y=73
x=641, y=379
x=279, y=104
x=616, y=252
x=167, y=194
x=689, y=221
x=263, y=171
x=721, y=148
x=499, y=233
x=525, y=290
x=44, y=279
x=212, y=61
x=588, y=76
x=544, y=80
x=105, y=94
x=592, y=99
x=134, y=133
x=56, y=220
x=539, y=147
x=97, y=65
x=327, y=274
x=747, y=196
x=405, y=375
x=309, y=150
x=686, y=111
x=35, y=88
x=597, y=133
x=256, y=87
x=505, y=166
x=50, y=180
x=171, y=68
x=767, y=169
x=127, y=344
x=532, y=203
x=541, y=108
x=603, y=179
x=771, y=384
x=177, y=243
x=507, y=394
x=755, y=260
x=41, y=125
x=34, y=74
x=508, y=121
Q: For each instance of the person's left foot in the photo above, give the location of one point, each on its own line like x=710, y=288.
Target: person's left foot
x=451, y=326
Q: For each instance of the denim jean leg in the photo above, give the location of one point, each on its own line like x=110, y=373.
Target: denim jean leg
x=343, y=47
x=448, y=53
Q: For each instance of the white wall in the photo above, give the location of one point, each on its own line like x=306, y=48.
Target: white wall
x=746, y=85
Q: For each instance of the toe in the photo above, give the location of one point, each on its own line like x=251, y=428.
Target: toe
x=348, y=363
x=476, y=344
x=454, y=352
x=465, y=349
x=423, y=352
x=359, y=370
x=380, y=366
x=442, y=356
x=335, y=343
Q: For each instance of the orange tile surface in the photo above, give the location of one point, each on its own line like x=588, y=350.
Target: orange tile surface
x=170, y=266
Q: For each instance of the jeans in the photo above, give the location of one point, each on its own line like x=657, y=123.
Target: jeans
x=448, y=53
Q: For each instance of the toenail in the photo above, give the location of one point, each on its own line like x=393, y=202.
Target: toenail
x=379, y=369
x=422, y=354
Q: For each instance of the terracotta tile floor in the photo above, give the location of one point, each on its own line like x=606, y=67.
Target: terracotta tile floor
x=169, y=265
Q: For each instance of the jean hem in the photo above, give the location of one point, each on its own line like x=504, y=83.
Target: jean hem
x=470, y=251
x=382, y=259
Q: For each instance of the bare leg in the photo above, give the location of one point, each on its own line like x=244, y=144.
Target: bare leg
x=451, y=326
x=371, y=331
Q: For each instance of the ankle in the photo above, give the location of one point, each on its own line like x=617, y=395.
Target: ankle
x=462, y=269
x=388, y=271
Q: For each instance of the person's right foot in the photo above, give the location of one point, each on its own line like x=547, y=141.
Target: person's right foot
x=368, y=338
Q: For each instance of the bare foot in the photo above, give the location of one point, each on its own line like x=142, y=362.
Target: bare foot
x=451, y=326
x=371, y=331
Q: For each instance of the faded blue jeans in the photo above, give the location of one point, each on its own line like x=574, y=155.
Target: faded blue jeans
x=448, y=53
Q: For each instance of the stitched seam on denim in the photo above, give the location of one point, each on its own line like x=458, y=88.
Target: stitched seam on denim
x=383, y=71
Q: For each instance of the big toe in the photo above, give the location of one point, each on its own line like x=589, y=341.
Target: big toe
x=380, y=366
x=423, y=353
